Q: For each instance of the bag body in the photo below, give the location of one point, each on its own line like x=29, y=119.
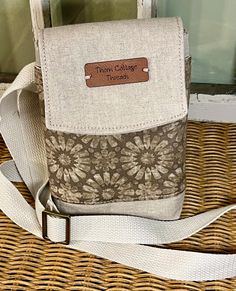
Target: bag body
x=124, y=165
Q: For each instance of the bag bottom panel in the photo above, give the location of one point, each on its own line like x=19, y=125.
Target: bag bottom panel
x=162, y=209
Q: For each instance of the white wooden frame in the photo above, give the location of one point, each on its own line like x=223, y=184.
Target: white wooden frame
x=146, y=8
x=212, y=108
x=36, y=9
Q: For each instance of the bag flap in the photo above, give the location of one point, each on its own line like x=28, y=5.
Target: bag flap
x=72, y=105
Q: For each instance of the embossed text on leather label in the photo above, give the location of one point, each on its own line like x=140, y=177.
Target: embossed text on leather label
x=116, y=72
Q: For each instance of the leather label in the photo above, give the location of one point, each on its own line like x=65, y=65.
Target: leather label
x=116, y=72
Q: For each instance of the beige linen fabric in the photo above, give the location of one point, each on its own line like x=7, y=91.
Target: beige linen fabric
x=162, y=209
x=73, y=107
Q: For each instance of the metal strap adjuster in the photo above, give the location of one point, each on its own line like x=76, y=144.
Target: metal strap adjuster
x=67, y=217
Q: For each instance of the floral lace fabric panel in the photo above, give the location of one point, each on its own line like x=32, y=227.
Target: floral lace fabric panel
x=87, y=169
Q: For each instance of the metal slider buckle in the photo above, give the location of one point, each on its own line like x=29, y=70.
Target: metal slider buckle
x=67, y=217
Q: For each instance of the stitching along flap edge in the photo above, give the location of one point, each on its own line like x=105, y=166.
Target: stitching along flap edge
x=73, y=106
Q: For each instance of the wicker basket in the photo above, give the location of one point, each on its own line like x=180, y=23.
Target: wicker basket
x=28, y=263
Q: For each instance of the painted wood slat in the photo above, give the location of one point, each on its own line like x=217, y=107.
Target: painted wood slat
x=37, y=18
x=146, y=8
x=212, y=108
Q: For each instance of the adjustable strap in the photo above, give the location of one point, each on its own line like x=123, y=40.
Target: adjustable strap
x=22, y=130
x=113, y=237
x=179, y=265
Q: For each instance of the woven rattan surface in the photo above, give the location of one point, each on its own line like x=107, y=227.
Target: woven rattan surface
x=28, y=263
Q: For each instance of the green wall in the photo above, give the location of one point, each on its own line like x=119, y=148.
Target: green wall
x=211, y=24
x=212, y=29
x=74, y=11
x=16, y=46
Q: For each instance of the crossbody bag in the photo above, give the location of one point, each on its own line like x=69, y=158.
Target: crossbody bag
x=97, y=131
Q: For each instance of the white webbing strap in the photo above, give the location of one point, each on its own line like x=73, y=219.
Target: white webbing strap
x=113, y=237
x=22, y=130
